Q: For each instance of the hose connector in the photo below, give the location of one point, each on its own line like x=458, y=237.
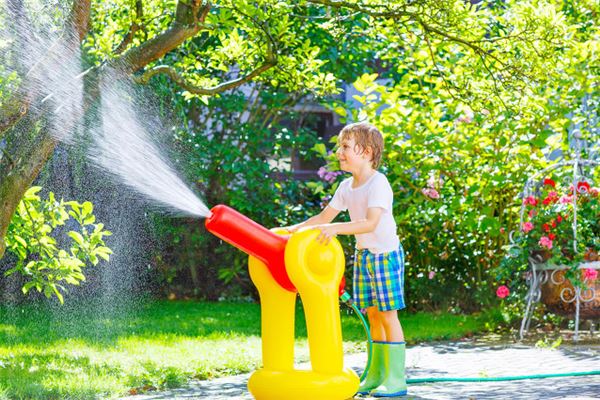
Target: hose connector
x=346, y=298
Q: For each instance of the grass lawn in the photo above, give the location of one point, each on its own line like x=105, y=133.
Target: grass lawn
x=97, y=351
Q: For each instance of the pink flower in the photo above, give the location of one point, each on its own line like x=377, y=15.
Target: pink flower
x=431, y=274
x=467, y=119
x=328, y=176
x=565, y=199
x=546, y=242
x=431, y=182
x=527, y=226
x=531, y=200
x=431, y=193
x=321, y=172
x=590, y=274
x=502, y=291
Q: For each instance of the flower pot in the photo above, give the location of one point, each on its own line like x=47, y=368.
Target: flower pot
x=540, y=256
x=557, y=285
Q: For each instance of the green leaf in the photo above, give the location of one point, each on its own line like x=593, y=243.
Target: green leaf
x=104, y=252
x=31, y=194
x=21, y=241
x=340, y=111
x=28, y=286
x=76, y=236
x=86, y=209
x=320, y=149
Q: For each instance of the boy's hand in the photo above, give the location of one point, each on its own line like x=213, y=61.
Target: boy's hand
x=327, y=232
x=290, y=229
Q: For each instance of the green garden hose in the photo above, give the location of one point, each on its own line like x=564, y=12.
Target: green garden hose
x=501, y=378
x=346, y=298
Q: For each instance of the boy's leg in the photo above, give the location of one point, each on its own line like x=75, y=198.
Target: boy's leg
x=364, y=297
x=376, y=326
x=394, y=353
x=389, y=278
x=391, y=325
x=375, y=374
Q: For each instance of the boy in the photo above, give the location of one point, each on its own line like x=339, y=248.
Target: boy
x=379, y=257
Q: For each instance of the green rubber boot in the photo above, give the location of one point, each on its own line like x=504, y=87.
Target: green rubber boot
x=375, y=373
x=394, y=381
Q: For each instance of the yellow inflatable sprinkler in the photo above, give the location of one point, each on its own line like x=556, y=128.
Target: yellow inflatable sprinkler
x=316, y=271
x=280, y=266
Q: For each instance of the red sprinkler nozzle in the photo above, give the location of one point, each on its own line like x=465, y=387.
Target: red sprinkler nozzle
x=253, y=239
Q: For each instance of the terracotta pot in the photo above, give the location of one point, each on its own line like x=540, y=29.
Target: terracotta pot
x=551, y=292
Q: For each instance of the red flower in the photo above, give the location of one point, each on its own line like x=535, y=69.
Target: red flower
x=559, y=218
x=551, y=236
x=583, y=187
x=546, y=227
x=553, y=223
x=552, y=198
x=549, y=182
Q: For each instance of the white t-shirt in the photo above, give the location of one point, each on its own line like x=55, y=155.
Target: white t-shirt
x=376, y=192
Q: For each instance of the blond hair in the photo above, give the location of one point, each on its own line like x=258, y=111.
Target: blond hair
x=365, y=136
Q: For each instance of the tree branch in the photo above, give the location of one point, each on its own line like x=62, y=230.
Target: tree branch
x=433, y=60
x=180, y=81
x=384, y=10
x=189, y=20
x=18, y=177
x=11, y=113
x=133, y=29
x=369, y=9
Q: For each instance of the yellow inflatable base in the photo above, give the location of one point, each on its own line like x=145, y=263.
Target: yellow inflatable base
x=303, y=385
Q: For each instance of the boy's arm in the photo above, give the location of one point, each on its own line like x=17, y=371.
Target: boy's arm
x=365, y=225
x=324, y=217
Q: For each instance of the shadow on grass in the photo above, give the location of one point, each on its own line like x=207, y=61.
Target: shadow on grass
x=51, y=376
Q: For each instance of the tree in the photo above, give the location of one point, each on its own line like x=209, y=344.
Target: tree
x=198, y=44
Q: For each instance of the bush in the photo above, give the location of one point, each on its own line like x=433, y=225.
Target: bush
x=44, y=265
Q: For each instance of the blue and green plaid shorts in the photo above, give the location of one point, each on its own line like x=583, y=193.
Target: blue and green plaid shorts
x=379, y=279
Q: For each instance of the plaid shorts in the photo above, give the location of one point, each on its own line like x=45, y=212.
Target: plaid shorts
x=379, y=279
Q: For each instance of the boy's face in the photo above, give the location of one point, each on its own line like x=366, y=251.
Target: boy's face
x=351, y=157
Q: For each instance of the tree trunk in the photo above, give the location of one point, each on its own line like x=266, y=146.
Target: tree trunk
x=28, y=148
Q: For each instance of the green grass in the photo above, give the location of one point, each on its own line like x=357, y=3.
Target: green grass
x=88, y=352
